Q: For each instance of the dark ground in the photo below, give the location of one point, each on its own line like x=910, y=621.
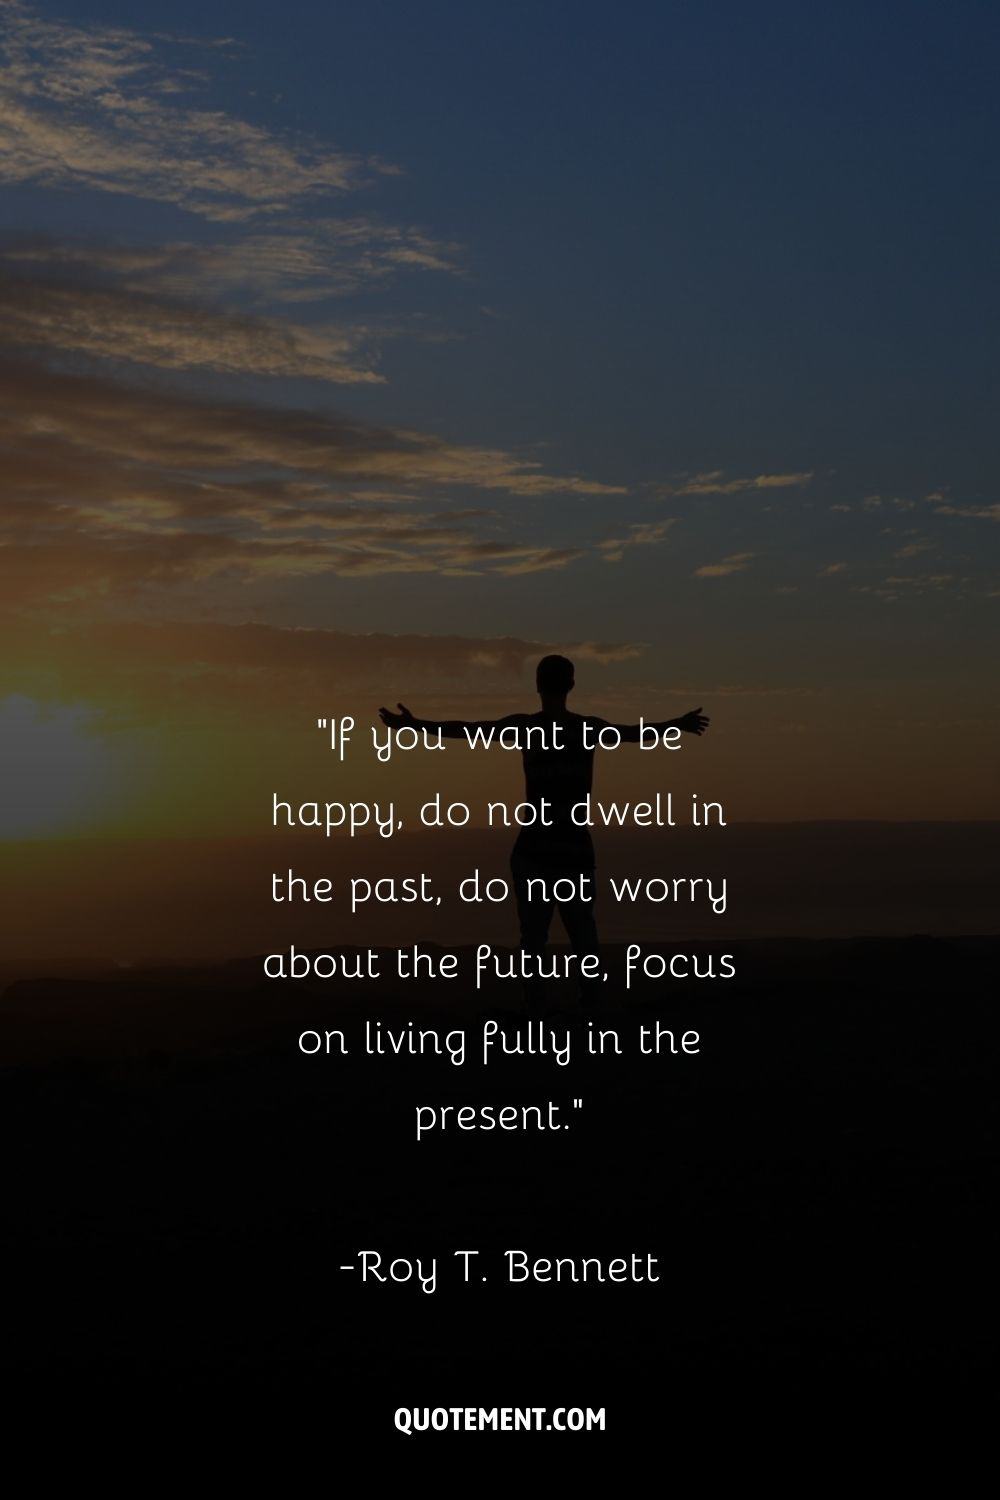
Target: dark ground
x=182, y=1186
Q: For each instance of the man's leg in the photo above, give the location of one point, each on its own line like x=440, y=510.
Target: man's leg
x=581, y=929
x=535, y=918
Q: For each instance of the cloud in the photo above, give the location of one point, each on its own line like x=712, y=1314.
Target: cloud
x=831, y=569
x=879, y=502
x=716, y=483
x=69, y=555
x=110, y=489
x=113, y=323
x=288, y=262
x=181, y=434
x=645, y=534
x=106, y=108
x=114, y=487
x=896, y=587
x=973, y=512
x=913, y=549
x=734, y=563
x=97, y=107
x=511, y=559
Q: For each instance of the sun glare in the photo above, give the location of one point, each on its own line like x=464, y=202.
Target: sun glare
x=61, y=772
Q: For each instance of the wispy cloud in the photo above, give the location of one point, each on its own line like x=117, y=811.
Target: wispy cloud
x=286, y=262
x=114, y=323
x=642, y=534
x=110, y=109
x=715, y=482
x=972, y=512
x=110, y=489
x=114, y=487
x=903, y=586
x=180, y=433
x=913, y=549
x=734, y=563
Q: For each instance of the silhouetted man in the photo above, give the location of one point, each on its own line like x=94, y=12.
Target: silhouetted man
x=556, y=779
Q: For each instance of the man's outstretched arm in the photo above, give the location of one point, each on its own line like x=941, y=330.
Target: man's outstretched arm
x=693, y=723
x=451, y=729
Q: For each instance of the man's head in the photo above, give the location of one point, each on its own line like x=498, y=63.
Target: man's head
x=554, y=676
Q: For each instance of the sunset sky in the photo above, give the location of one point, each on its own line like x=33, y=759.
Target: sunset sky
x=361, y=351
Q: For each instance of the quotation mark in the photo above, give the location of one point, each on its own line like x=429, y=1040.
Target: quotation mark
x=340, y=732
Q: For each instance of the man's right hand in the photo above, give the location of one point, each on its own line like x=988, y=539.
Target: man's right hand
x=693, y=723
x=401, y=720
